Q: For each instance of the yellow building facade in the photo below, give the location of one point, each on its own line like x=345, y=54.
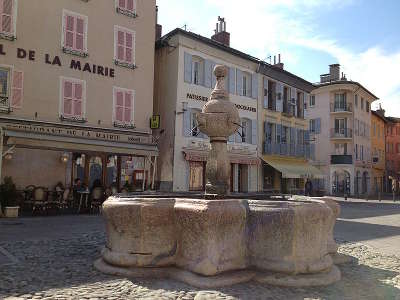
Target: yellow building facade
x=378, y=129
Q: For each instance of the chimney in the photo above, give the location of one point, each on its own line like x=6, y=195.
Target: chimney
x=381, y=111
x=280, y=64
x=221, y=35
x=334, y=72
x=158, y=26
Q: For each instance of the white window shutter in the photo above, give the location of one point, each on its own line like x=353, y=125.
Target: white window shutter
x=207, y=73
x=254, y=132
x=188, y=68
x=254, y=85
x=239, y=82
x=231, y=138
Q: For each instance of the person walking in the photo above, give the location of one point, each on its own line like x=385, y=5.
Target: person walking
x=308, y=188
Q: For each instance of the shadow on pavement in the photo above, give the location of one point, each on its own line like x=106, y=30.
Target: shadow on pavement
x=356, y=231
x=358, y=210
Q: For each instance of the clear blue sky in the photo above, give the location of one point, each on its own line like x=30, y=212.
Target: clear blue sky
x=362, y=35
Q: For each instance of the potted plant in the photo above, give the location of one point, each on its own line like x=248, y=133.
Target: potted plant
x=8, y=196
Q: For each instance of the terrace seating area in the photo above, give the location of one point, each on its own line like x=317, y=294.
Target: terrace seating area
x=39, y=200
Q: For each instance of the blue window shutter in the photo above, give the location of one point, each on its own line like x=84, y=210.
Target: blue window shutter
x=279, y=103
x=254, y=86
x=254, y=132
x=265, y=89
x=207, y=73
x=239, y=75
x=232, y=82
x=293, y=135
x=213, y=78
x=186, y=122
x=278, y=133
x=188, y=68
x=307, y=137
x=318, y=126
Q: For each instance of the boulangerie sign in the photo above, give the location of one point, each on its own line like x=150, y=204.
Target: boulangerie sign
x=74, y=64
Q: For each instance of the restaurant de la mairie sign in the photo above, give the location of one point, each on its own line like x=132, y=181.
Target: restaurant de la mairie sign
x=91, y=134
x=56, y=61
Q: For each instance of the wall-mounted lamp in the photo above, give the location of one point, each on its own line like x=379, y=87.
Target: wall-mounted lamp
x=8, y=155
x=64, y=157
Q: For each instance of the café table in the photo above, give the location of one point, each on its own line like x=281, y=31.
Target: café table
x=84, y=194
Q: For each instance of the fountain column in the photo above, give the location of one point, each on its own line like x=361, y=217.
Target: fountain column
x=219, y=119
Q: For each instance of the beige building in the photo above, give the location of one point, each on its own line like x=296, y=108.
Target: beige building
x=183, y=83
x=286, y=149
x=339, y=112
x=76, y=91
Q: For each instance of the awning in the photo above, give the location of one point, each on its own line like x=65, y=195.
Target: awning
x=41, y=141
x=292, y=168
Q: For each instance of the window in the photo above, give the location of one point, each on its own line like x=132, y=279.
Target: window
x=124, y=52
x=246, y=131
x=312, y=126
x=340, y=101
x=362, y=103
x=123, y=107
x=356, y=100
x=7, y=19
x=341, y=149
x=340, y=126
x=356, y=150
x=197, y=70
x=74, y=33
x=127, y=7
x=73, y=94
x=17, y=89
x=244, y=85
x=312, y=100
x=5, y=74
x=367, y=106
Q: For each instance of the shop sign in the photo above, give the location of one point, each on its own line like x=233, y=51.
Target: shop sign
x=205, y=99
x=155, y=122
x=77, y=133
x=73, y=64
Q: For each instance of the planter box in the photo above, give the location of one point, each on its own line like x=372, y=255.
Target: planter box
x=11, y=212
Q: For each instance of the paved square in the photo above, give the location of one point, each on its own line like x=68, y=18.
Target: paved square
x=55, y=255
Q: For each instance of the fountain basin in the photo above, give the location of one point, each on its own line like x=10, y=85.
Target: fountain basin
x=219, y=242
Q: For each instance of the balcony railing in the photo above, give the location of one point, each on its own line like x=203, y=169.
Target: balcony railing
x=341, y=133
x=4, y=104
x=341, y=107
x=293, y=150
x=341, y=159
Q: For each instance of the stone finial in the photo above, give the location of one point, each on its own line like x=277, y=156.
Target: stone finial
x=219, y=91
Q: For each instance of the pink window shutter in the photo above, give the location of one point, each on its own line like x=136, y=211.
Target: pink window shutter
x=77, y=100
x=119, y=106
x=130, y=5
x=128, y=107
x=80, y=34
x=122, y=4
x=17, y=89
x=67, y=98
x=129, y=47
x=69, y=31
x=6, y=10
x=120, y=45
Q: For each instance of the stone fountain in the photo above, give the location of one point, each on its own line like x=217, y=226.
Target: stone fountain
x=214, y=240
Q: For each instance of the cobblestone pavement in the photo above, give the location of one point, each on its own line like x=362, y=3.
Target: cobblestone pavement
x=63, y=269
